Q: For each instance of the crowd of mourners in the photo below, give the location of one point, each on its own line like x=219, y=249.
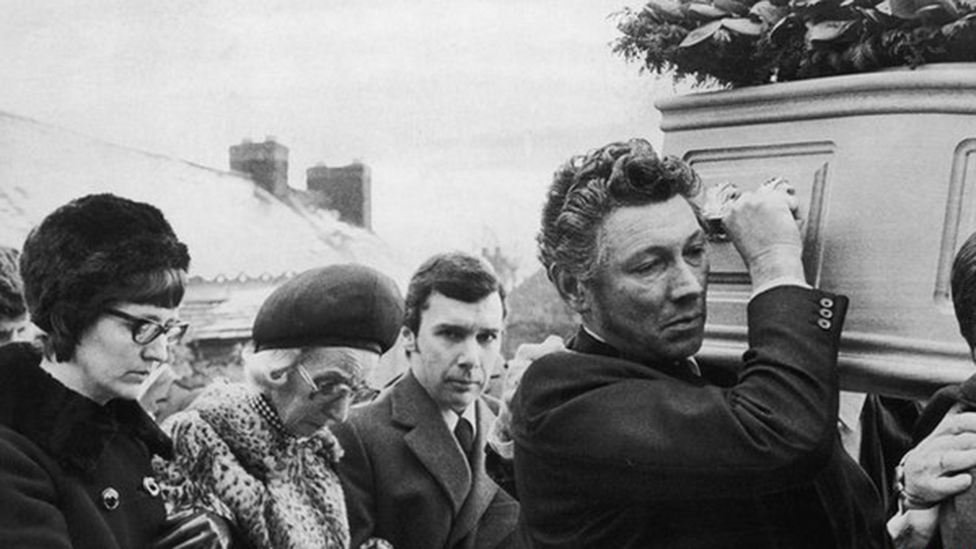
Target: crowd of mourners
x=619, y=437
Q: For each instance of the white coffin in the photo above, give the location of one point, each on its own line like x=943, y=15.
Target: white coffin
x=884, y=164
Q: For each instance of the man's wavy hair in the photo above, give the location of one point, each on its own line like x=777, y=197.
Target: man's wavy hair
x=963, y=287
x=12, y=304
x=587, y=188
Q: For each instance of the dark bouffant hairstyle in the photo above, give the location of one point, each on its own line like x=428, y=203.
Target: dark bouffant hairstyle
x=93, y=252
x=455, y=275
x=963, y=287
x=587, y=188
x=12, y=303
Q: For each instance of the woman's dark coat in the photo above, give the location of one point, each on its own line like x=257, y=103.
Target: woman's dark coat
x=73, y=473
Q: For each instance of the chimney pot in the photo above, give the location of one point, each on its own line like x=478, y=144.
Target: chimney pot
x=345, y=190
x=266, y=162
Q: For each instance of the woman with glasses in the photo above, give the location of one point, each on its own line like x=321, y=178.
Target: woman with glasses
x=103, y=277
x=260, y=452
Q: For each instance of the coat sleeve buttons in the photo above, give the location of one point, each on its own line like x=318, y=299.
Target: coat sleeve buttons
x=110, y=498
x=151, y=487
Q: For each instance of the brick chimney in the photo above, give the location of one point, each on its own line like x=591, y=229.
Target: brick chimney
x=345, y=190
x=266, y=162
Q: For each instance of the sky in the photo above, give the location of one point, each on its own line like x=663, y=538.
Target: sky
x=462, y=109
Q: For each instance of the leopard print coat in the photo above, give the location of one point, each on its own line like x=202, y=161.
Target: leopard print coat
x=281, y=491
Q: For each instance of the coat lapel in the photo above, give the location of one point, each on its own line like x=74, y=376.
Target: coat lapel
x=483, y=489
x=429, y=439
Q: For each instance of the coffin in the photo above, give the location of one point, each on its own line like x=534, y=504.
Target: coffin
x=885, y=170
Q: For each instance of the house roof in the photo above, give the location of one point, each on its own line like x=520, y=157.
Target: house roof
x=226, y=316
x=235, y=230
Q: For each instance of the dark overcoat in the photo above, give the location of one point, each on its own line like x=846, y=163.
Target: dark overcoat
x=408, y=482
x=614, y=453
x=957, y=517
x=73, y=474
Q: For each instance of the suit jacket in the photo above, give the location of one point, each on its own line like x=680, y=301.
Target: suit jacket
x=613, y=453
x=957, y=519
x=407, y=481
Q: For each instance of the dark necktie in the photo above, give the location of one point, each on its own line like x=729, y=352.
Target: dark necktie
x=465, y=435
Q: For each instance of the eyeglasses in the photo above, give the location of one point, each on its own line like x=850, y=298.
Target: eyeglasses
x=146, y=330
x=330, y=382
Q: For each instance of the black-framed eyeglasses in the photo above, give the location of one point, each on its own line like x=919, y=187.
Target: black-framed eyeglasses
x=146, y=330
x=329, y=382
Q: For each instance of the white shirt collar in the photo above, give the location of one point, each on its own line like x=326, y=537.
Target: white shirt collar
x=451, y=418
x=593, y=334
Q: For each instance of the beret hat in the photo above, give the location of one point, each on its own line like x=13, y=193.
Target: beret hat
x=344, y=305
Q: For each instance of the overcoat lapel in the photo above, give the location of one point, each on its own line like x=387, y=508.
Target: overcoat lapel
x=429, y=439
x=483, y=489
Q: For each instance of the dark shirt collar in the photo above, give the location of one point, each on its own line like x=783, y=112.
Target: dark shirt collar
x=585, y=342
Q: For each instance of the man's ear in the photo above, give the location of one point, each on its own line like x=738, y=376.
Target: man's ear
x=409, y=340
x=571, y=289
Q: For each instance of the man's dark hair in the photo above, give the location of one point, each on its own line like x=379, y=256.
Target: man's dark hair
x=587, y=188
x=455, y=275
x=963, y=286
x=12, y=303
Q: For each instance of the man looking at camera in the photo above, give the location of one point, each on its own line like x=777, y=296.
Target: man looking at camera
x=626, y=440
x=414, y=463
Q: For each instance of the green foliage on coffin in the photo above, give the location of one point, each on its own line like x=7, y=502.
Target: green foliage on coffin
x=748, y=42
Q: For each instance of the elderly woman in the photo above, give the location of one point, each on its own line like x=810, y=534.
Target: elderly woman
x=260, y=453
x=103, y=277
